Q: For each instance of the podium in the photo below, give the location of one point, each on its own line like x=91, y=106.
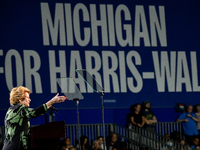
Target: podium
x=47, y=136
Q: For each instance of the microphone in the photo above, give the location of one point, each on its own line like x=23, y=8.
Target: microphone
x=53, y=108
x=53, y=113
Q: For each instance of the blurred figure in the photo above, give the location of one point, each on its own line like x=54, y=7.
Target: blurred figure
x=198, y=117
x=150, y=117
x=100, y=138
x=195, y=143
x=182, y=142
x=84, y=143
x=166, y=137
x=96, y=145
x=189, y=120
x=72, y=148
x=112, y=142
x=136, y=117
x=175, y=136
x=62, y=146
x=67, y=141
x=167, y=142
x=197, y=147
x=114, y=148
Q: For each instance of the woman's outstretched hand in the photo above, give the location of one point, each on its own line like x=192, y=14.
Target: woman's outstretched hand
x=56, y=99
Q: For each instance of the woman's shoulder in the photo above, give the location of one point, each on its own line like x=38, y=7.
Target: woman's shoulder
x=15, y=108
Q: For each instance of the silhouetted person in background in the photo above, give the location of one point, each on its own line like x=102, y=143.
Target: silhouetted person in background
x=100, y=138
x=112, y=142
x=136, y=117
x=84, y=143
x=96, y=145
x=67, y=141
x=150, y=118
x=189, y=120
x=198, y=117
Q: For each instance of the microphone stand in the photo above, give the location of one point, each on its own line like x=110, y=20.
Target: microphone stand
x=102, y=108
x=79, y=132
x=53, y=112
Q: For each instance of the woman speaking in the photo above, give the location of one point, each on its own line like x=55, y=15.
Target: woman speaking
x=17, y=117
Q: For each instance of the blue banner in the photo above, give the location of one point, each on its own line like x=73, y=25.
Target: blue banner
x=137, y=50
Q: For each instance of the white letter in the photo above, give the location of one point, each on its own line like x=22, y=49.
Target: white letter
x=140, y=18
x=77, y=30
x=127, y=28
x=107, y=72
x=1, y=68
x=133, y=88
x=182, y=67
x=29, y=72
x=111, y=26
x=102, y=23
x=9, y=68
x=58, y=24
x=122, y=71
x=69, y=29
x=193, y=57
x=54, y=70
x=163, y=67
x=154, y=24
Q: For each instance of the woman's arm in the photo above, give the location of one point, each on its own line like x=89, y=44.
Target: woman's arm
x=132, y=121
x=33, y=113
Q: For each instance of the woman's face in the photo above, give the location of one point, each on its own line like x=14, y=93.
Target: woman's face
x=26, y=100
x=137, y=108
x=85, y=142
x=96, y=145
x=68, y=142
x=101, y=140
x=114, y=138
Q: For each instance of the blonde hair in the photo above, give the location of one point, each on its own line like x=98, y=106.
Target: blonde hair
x=94, y=142
x=18, y=93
